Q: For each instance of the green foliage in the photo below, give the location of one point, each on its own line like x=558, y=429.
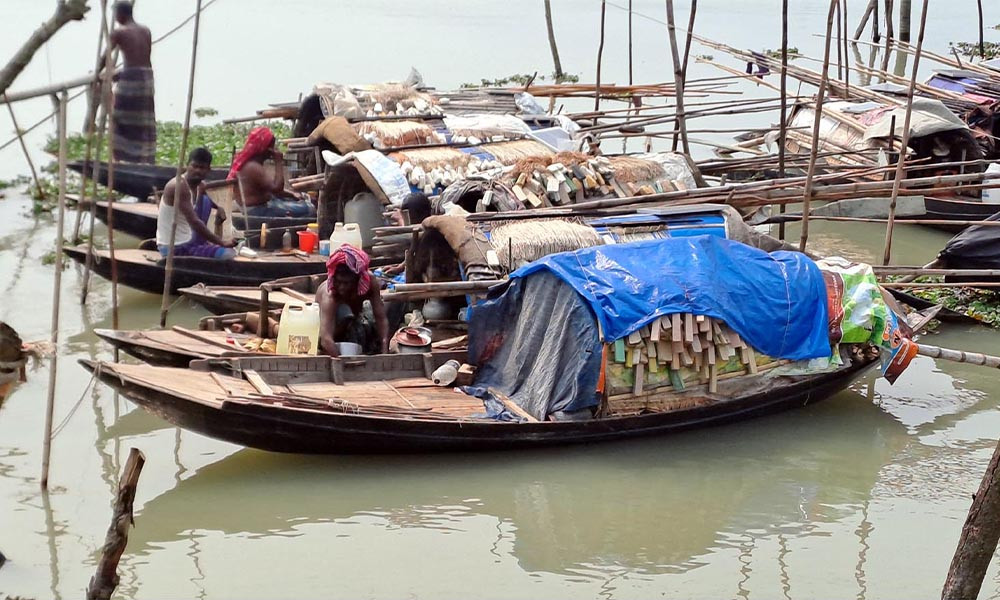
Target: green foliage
x=205, y=111
x=521, y=80
x=971, y=49
x=793, y=52
x=220, y=139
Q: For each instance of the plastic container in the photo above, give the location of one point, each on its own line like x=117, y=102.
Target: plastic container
x=286, y=240
x=345, y=233
x=349, y=349
x=298, y=329
x=313, y=227
x=307, y=241
x=365, y=210
x=446, y=373
x=324, y=247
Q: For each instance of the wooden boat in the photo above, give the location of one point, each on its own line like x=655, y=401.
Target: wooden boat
x=223, y=300
x=137, y=180
x=387, y=404
x=138, y=219
x=145, y=269
x=177, y=346
x=951, y=209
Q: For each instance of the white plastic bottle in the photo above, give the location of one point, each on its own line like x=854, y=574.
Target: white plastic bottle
x=345, y=233
x=298, y=330
x=446, y=373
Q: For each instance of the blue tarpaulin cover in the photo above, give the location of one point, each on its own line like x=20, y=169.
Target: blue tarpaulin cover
x=538, y=341
x=777, y=302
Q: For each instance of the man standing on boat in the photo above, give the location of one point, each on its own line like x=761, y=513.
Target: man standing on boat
x=350, y=305
x=134, y=115
x=263, y=195
x=193, y=238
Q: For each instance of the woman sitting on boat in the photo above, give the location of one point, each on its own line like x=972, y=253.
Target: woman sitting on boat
x=351, y=308
x=262, y=195
x=192, y=237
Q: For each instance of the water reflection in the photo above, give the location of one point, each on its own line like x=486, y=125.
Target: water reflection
x=646, y=508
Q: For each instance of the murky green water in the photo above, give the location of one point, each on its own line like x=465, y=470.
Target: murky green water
x=861, y=496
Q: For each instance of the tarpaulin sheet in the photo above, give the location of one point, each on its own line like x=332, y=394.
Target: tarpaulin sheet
x=538, y=344
x=977, y=247
x=776, y=302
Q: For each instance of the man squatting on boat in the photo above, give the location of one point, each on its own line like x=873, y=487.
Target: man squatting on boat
x=350, y=305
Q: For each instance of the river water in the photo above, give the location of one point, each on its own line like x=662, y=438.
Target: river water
x=861, y=496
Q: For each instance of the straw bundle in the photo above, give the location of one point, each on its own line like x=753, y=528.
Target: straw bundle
x=531, y=240
x=509, y=153
x=389, y=134
x=634, y=170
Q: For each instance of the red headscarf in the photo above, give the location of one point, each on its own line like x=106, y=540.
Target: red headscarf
x=259, y=140
x=356, y=260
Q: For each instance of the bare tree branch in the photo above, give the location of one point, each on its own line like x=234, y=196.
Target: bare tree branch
x=66, y=11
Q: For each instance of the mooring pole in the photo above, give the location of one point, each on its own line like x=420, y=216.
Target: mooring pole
x=181, y=160
x=905, y=138
x=678, y=81
x=24, y=148
x=818, y=119
x=600, y=55
x=783, y=132
x=56, y=289
x=109, y=67
x=90, y=124
x=684, y=68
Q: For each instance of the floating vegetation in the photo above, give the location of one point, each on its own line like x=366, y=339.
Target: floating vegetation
x=793, y=52
x=522, y=80
x=991, y=50
x=980, y=304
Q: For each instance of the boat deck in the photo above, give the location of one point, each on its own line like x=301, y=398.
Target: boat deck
x=402, y=398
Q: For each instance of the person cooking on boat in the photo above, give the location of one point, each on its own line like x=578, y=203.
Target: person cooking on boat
x=350, y=305
x=193, y=238
x=262, y=195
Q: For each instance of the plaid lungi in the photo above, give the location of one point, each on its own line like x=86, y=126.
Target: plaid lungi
x=134, y=116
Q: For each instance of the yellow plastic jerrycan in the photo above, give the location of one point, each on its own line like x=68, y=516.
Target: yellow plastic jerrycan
x=298, y=330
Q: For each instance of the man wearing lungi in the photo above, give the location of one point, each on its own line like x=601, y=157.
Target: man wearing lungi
x=134, y=117
x=192, y=237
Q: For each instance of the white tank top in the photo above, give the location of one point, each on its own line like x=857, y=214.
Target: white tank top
x=165, y=220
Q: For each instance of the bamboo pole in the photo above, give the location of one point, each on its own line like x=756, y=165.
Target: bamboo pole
x=181, y=160
x=56, y=294
x=630, y=81
x=982, y=43
x=783, y=134
x=600, y=54
x=102, y=126
x=840, y=47
x=684, y=64
x=960, y=356
x=847, y=55
x=90, y=123
x=24, y=148
x=905, y=138
x=889, y=34
x=872, y=7
x=678, y=79
x=552, y=41
x=811, y=172
x=110, y=198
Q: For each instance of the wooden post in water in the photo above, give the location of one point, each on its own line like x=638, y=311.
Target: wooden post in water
x=811, y=172
x=678, y=80
x=105, y=580
x=847, y=55
x=630, y=41
x=783, y=132
x=56, y=289
x=905, y=16
x=684, y=70
x=24, y=148
x=889, y=33
x=600, y=55
x=982, y=43
x=869, y=10
x=181, y=160
x=905, y=138
x=978, y=541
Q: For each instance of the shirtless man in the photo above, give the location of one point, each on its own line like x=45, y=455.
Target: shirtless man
x=350, y=306
x=134, y=115
x=193, y=237
x=262, y=195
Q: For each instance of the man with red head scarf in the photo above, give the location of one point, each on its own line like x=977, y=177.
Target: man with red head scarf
x=350, y=304
x=262, y=195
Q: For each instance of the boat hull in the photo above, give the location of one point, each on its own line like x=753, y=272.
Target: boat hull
x=272, y=428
